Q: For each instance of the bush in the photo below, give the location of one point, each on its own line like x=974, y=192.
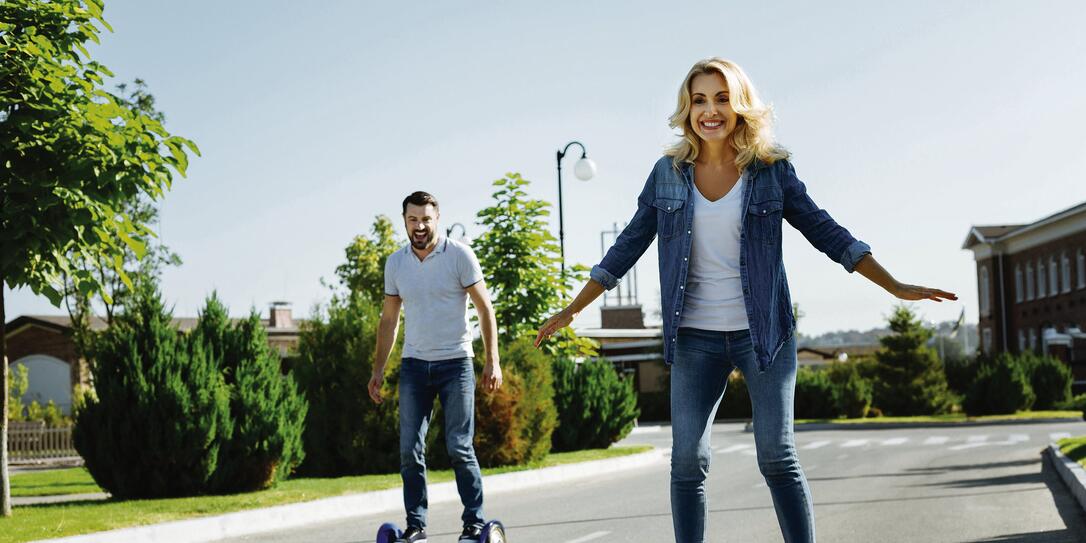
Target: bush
x=736, y=401
x=1076, y=403
x=816, y=396
x=1001, y=387
x=960, y=373
x=162, y=408
x=596, y=406
x=346, y=433
x=1050, y=379
x=514, y=424
x=267, y=410
x=853, y=392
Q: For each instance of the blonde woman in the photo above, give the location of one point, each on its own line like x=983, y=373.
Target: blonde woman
x=716, y=201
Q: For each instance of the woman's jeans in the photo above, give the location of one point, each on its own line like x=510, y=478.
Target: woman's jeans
x=453, y=381
x=703, y=361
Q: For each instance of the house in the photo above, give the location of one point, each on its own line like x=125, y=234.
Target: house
x=44, y=345
x=818, y=355
x=1031, y=282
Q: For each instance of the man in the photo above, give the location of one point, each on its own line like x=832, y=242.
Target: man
x=433, y=277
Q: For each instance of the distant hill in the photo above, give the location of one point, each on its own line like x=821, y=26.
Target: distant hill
x=871, y=337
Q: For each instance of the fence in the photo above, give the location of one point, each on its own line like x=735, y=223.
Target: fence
x=33, y=442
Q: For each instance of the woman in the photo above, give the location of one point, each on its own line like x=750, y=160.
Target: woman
x=716, y=201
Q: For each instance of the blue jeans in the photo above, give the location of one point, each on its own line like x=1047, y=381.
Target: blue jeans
x=703, y=361
x=453, y=381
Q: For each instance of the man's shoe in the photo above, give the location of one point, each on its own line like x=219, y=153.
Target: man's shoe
x=413, y=535
x=471, y=534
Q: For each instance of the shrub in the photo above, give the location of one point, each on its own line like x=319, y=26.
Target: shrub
x=853, y=392
x=1001, y=387
x=816, y=396
x=346, y=433
x=266, y=408
x=1051, y=381
x=596, y=406
x=162, y=408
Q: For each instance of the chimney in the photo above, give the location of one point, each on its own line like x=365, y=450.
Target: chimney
x=279, y=315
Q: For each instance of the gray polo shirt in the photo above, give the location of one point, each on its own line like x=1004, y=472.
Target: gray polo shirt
x=435, y=301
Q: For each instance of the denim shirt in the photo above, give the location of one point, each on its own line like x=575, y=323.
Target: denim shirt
x=773, y=193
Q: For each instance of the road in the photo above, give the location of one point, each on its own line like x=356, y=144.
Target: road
x=961, y=484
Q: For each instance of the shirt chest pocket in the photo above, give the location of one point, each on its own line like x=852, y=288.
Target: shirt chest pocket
x=764, y=218
x=669, y=221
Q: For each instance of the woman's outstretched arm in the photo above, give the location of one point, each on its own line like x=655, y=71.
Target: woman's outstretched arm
x=563, y=318
x=871, y=269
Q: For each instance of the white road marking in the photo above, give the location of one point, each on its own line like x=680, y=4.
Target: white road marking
x=976, y=439
x=895, y=441
x=589, y=537
x=936, y=440
x=1058, y=435
x=734, y=448
x=816, y=444
x=854, y=443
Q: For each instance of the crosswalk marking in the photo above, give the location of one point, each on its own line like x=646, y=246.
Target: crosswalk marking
x=936, y=440
x=589, y=537
x=854, y=443
x=816, y=444
x=976, y=439
x=1058, y=435
x=734, y=448
x=895, y=441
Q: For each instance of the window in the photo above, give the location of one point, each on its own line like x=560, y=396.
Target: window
x=986, y=340
x=984, y=284
x=1029, y=280
x=1021, y=340
x=1041, y=279
x=1081, y=265
x=1065, y=272
x=1033, y=340
x=1018, y=291
x=1053, y=277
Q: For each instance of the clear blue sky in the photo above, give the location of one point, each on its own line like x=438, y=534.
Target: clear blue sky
x=909, y=122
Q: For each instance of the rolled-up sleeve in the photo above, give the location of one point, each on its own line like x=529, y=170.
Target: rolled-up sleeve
x=817, y=225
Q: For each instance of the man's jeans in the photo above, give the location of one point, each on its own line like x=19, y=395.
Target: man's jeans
x=453, y=381
x=703, y=361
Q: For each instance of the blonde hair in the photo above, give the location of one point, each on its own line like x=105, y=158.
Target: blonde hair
x=753, y=134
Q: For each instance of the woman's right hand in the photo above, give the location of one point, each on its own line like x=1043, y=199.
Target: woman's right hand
x=557, y=322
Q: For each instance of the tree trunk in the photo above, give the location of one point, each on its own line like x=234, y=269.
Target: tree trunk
x=5, y=486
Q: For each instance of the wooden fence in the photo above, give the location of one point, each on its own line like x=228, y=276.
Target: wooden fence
x=34, y=442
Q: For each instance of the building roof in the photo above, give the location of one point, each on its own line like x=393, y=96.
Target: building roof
x=992, y=233
x=62, y=323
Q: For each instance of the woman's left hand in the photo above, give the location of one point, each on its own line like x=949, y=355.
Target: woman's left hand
x=915, y=292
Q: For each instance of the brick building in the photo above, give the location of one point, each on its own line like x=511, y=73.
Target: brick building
x=1031, y=281
x=43, y=344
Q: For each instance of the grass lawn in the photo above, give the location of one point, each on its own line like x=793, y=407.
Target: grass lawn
x=32, y=522
x=953, y=417
x=1074, y=448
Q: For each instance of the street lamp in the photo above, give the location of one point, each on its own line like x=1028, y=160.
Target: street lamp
x=584, y=170
x=463, y=231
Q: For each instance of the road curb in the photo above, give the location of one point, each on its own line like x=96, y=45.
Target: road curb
x=255, y=521
x=899, y=425
x=1072, y=473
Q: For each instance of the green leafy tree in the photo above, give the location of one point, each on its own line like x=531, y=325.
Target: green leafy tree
x=521, y=264
x=816, y=396
x=909, y=378
x=1002, y=386
x=71, y=155
x=596, y=406
x=1050, y=379
x=18, y=383
x=364, y=271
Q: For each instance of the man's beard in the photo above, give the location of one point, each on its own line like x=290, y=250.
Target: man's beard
x=420, y=245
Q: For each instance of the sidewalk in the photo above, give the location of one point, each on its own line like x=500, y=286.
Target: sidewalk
x=281, y=517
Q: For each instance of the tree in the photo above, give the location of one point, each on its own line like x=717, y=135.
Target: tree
x=909, y=378
x=520, y=262
x=364, y=271
x=71, y=155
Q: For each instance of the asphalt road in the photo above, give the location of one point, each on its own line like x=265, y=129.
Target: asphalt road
x=964, y=484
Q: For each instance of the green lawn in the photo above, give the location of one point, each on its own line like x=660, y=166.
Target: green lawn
x=57, y=520
x=1074, y=448
x=953, y=417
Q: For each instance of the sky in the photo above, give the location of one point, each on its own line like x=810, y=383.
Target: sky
x=909, y=122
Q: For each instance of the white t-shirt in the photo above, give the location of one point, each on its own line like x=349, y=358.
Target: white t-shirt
x=714, y=290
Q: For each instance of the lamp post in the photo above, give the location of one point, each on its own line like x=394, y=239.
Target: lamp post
x=584, y=170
